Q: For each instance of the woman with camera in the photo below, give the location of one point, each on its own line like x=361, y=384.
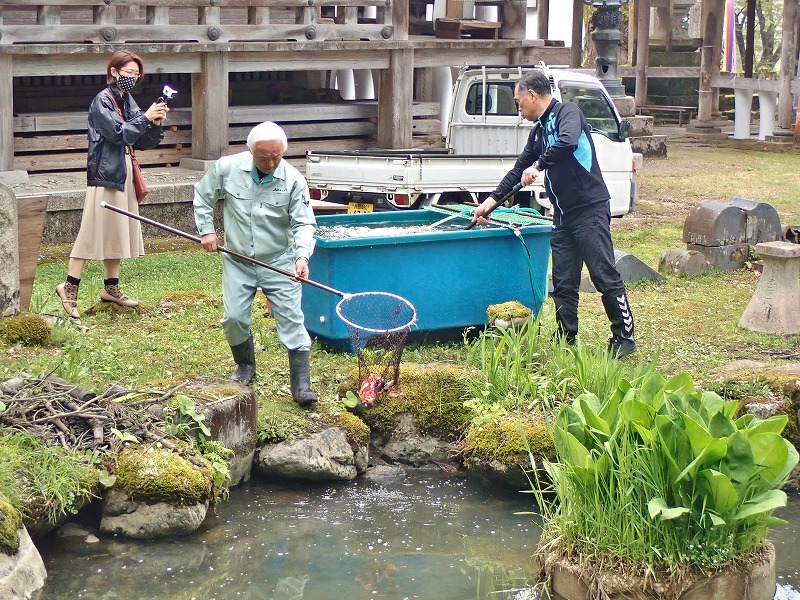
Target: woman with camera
x=117, y=127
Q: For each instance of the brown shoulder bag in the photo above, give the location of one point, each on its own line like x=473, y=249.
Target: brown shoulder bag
x=139, y=186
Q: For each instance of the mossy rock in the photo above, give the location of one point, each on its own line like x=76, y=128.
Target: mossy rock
x=501, y=438
x=357, y=431
x=178, y=300
x=508, y=311
x=157, y=473
x=10, y=524
x=113, y=309
x=433, y=394
x=25, y=328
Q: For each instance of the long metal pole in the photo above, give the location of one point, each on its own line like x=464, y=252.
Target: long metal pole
x=238, y=255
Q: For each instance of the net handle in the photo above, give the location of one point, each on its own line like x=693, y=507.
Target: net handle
x=400, y=299
x=238, y=255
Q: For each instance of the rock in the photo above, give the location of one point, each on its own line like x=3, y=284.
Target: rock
x=22, y=573
x=683, y=262
x=323, y=456
x=408, y=446
x=157, y=493
x=140, y=519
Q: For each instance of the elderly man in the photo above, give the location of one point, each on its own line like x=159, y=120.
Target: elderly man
x=560, y=145
x=267, y=216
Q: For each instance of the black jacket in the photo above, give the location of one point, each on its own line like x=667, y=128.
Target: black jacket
x=562, y=145
x=109, y=135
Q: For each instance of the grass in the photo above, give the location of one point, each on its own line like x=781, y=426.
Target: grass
x=682, y=324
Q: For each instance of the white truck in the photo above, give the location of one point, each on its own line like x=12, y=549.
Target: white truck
x=485, y=135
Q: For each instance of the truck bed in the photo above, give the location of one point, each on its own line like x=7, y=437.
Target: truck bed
x=406, y=171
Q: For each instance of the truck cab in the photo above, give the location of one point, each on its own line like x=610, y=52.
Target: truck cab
x=484, y=120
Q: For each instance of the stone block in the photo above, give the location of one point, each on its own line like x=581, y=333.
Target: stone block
x=650, y=145
x=725, y=258
x=640, y=125
x=630, y=269
x=683, y=262
x=233, y=421
x=714, y=223
x=9, y=254
x=14, y=177
x=626, y=105
x=775, y=305
x=762, y=221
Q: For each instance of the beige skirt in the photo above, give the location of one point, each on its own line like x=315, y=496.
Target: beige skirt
x=105, y=233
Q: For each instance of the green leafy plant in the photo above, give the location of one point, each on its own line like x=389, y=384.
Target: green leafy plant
x=660, y=473
x=182, y=419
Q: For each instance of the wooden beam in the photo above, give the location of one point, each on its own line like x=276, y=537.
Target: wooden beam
x=6, y=113
x=542, y=19
x=791, y=17
x=642, y=50
x=210, y=107
x=395, y=99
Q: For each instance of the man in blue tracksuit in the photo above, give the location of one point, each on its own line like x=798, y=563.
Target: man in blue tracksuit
x=560, y=145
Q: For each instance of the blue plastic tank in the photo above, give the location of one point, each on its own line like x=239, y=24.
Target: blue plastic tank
x=451, y=276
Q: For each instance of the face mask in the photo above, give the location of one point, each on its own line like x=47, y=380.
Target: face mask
x=126, y=83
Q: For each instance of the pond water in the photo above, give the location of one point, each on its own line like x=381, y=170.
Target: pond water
x=423, y=535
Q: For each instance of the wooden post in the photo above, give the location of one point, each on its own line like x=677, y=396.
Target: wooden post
x=576, y=50
x=788, y=62
x=210, y=107
x=514, y=15
x=668, y=32
x=642, y=50
x=709, y=67
x=542, y=19
x=633, y=28
x=6, y=114
x=395, y=98
x=400, y=17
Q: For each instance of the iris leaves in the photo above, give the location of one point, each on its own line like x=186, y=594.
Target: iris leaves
x=664, y=473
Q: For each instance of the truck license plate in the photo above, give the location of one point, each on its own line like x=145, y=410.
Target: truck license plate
x=359, y=207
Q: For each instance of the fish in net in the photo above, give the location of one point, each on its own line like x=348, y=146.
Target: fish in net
x=378, y=324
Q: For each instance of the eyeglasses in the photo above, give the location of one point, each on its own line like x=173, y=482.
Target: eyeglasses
x=130, y=73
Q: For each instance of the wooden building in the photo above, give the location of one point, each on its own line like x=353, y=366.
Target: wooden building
x=236, y=63
x=239, y=62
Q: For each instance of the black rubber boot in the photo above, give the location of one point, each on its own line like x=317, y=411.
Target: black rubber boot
x=244, y=355
x=622, y=341
x=300, y=378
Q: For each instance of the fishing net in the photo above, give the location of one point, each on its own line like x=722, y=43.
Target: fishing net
x=378, y=324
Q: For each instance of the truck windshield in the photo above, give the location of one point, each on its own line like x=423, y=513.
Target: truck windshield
x=596, y=108
x=499, y=99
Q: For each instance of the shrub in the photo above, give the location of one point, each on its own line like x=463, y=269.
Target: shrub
x=26, y=328
x=663, y=474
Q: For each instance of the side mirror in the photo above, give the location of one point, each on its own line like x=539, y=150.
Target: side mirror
x=624, y=130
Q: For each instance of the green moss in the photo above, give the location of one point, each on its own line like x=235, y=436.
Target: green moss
x=161, y=474
x=433, y=394
x=500, y=438
x=113, y=309
x=26, y=328
x=507, y=311
x=180, y=299
x=10, y=524
x=357, y=431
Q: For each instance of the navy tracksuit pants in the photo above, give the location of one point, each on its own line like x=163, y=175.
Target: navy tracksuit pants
x=585, y=238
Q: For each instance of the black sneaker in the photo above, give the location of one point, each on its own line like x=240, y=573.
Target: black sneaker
x=619, y=348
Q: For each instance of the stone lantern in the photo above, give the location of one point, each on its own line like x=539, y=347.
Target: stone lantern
x=607, y=37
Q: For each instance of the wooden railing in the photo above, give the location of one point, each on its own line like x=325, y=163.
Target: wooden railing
x=204, y=21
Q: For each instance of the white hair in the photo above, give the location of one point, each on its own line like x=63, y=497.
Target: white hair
x=267, y=132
